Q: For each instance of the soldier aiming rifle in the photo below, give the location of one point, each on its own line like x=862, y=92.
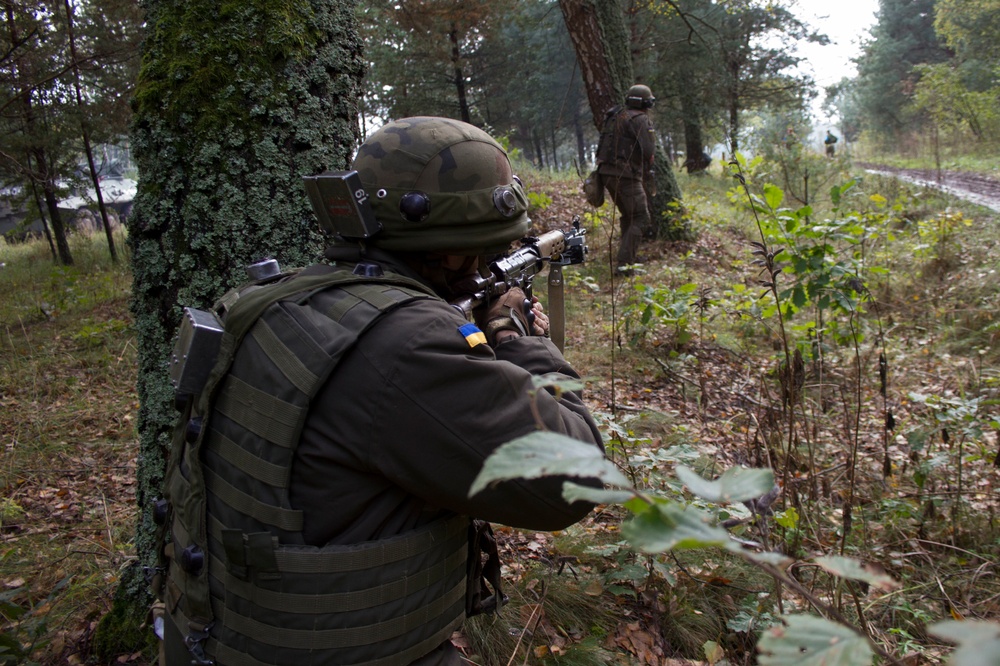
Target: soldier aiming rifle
x=317, y=508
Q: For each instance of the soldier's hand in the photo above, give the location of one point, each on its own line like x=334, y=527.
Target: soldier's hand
x=541, y=324
x=508, y=317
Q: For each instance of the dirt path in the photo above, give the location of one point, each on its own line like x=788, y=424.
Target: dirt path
x=973, y=187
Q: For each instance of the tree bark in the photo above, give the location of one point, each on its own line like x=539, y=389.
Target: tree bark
x=50, y=194
x=694, y=146
x=605, y=65
x=41, y=214
x=456, y=62
x=536, y=141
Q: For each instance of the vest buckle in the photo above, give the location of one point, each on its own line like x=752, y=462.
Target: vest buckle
x=194, y=642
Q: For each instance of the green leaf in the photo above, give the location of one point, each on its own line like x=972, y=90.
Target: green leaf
x=799, y=296
x=773, y=196
x=978, y=642
x=546, y=454
x=835, y=195
x=848, y=567
x=573, y=492
x=789, y=518
x=735, y=485
x=811, y=641
x=667, y=526
x=558, y=381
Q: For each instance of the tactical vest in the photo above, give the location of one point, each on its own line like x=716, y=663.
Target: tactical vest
x=236, y=577
x=615, y=148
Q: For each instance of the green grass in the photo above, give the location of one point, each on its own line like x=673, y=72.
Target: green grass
x=36, y=289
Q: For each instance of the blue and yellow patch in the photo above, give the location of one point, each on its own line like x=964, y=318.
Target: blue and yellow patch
x=472, y=335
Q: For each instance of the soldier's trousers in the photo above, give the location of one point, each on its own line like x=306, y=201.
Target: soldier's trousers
x=630, y=198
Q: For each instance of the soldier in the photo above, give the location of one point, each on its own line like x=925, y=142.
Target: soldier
x=625, y=155
x=829, y=141
x=318, y=508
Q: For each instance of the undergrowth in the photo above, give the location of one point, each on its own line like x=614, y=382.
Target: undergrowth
x=847, y=346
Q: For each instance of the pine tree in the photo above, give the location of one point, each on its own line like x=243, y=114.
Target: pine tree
x=601, y=40
x=902, y=38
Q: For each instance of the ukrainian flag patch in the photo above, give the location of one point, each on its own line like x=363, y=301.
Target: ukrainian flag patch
x=472, y=335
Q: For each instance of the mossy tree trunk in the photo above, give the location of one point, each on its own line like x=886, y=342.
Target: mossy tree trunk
x=600, y=38
x=235, y=102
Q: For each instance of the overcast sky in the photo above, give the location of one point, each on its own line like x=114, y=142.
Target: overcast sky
x=846, y=23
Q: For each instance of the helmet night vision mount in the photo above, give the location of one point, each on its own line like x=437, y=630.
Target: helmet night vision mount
x=341, y=205
x=640, y=97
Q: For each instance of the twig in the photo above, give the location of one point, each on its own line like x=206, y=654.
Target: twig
x=107, y=522
x=521, y=636
x=948, y=545
x=676, y=374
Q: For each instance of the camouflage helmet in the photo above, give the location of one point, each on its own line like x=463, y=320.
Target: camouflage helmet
x=438, y=184
x=639, y=97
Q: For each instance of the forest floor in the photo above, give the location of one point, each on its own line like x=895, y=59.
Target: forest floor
x=682, y=363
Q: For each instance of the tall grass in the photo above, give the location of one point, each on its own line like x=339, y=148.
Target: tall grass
x=35, y=288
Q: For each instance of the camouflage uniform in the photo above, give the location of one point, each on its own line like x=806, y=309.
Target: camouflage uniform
x=625, y=157
x=395, y=436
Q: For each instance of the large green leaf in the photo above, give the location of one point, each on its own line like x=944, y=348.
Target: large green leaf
x=812, y=641
x=773, y=195
x=735, y=485
x=772, y=558
x=546, y=454
x=847, y=567
x=666, y=525
x=978, y=642
x=573, y=492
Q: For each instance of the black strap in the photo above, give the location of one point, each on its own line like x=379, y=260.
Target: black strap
x=483, y=571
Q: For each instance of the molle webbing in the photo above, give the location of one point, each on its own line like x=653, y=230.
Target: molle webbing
x=613, y=147
x=383, y=603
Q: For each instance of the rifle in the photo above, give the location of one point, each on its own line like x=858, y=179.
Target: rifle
x=519, y=268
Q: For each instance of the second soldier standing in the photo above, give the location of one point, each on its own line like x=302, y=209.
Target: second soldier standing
x=625, y=156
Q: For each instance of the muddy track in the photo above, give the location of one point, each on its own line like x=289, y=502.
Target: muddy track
x=972, y=187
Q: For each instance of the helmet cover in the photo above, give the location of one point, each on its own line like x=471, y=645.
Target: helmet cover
x=438, y=184
x=640, y=97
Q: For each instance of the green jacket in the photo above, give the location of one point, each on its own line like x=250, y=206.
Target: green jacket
x=403, y=426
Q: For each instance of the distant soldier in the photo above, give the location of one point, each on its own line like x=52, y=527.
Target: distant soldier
x=829, y=141
x=625, y=157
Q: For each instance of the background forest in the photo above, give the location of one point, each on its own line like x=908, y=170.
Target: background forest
x=797, y=386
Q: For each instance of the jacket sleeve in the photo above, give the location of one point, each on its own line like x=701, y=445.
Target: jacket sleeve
x=446, y=404
x=646, y=138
